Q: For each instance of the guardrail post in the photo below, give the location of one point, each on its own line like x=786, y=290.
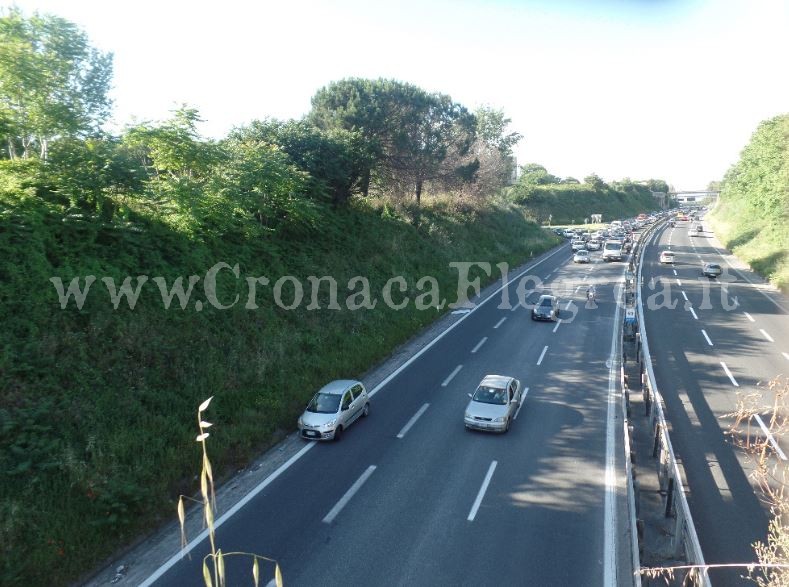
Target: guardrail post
x=669, y=496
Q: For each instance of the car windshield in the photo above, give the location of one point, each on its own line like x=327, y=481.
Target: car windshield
x=714, y=266
x=324, y=403
x=490, y=395
x=546, y=302
x=613, y=246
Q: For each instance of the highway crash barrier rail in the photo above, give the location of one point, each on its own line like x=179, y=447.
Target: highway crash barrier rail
x=684, y=541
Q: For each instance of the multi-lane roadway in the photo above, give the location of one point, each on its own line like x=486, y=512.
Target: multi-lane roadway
x=710, y=340
x=409, y=496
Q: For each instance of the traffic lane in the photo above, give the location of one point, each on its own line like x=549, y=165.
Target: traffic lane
x=330, y=465
x=728, y=515
x=697, y=393
x=425, y=532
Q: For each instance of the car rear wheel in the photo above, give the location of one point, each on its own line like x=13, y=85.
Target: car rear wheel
x=338, y=434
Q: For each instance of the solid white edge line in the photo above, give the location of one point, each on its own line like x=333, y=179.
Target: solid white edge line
x=684, y=295
x=224, y=517
x=704, y=332
x=731, y=377
x=749, y=317
x=477, y=502
x=767, y=336
x=523, y=399
x=692, y=311
x=479, y=344
x=412, y=421
x=429, y=345
x=500, y=322
x=770, y=437
x=609, y=521
x=451, y=376
x=338, y=507
x=267, y=481
x=542, y=355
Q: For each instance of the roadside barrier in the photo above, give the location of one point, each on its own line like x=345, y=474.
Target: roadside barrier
x=684, y=541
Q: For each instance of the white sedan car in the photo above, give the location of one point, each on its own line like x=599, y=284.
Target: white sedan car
x=581, y=257
x=667, y=257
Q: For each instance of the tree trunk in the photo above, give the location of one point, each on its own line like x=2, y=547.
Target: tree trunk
x=418, y=192
x=366, y=182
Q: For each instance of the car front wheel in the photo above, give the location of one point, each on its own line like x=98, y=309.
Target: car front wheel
x=338, y=434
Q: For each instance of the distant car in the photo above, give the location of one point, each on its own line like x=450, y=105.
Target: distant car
x=494, y=404
x=699, y=228
x=581, y=257
x=593, y=245
x=667, y=257
x=569, y=233
x=547, y=308
x=335, y=407
x=578, y=244
x=711, y=270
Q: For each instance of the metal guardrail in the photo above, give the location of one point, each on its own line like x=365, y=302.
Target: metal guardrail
x=685, y=542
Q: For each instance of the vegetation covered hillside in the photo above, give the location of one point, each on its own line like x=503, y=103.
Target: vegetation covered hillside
x=752, y=215
x=142, y=273
x=568, y=201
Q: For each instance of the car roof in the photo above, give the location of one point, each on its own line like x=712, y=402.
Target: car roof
x=338, y=386
x=496, y=381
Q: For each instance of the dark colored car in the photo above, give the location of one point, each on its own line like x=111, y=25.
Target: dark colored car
x=711, y=270
x=547, y=308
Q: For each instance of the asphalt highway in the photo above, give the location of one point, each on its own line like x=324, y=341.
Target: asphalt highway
x=410, y=497
x=721, y=338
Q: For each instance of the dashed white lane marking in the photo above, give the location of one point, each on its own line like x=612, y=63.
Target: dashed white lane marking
x=558, y=323
x=684, y=295
x=692, y=311
x=412, y=421
x=786, y=356
x=570, y=303
x=731, y=377
x=675, y=271
x=679, y=283
x=348, y=495
x=749, y=317
x=479, y=344
x=500, y=322
x=523, y=399
x=451, y=375
x=704, y=332
x=770, y=437
x=477, y=502
x=542, y=355
x=767, y=336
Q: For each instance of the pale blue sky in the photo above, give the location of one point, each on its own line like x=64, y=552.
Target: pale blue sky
x=650, y=88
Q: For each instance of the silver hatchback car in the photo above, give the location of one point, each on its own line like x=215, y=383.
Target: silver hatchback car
x=494, y=405
x=335, y=407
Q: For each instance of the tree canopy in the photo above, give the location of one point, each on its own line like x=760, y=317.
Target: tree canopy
x=52, y=82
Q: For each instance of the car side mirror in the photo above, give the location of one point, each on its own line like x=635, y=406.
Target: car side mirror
x=468, y=394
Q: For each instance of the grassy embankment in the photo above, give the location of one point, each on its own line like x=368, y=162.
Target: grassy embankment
x=97, y=414
x=573, y=203
x=752, y=215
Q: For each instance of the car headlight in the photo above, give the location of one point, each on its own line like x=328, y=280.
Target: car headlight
x=330, y=423
x=300, y=424
x=499, y=419
x=467, y=416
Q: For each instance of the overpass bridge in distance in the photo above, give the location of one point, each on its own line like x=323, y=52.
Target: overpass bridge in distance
x=692, y=197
